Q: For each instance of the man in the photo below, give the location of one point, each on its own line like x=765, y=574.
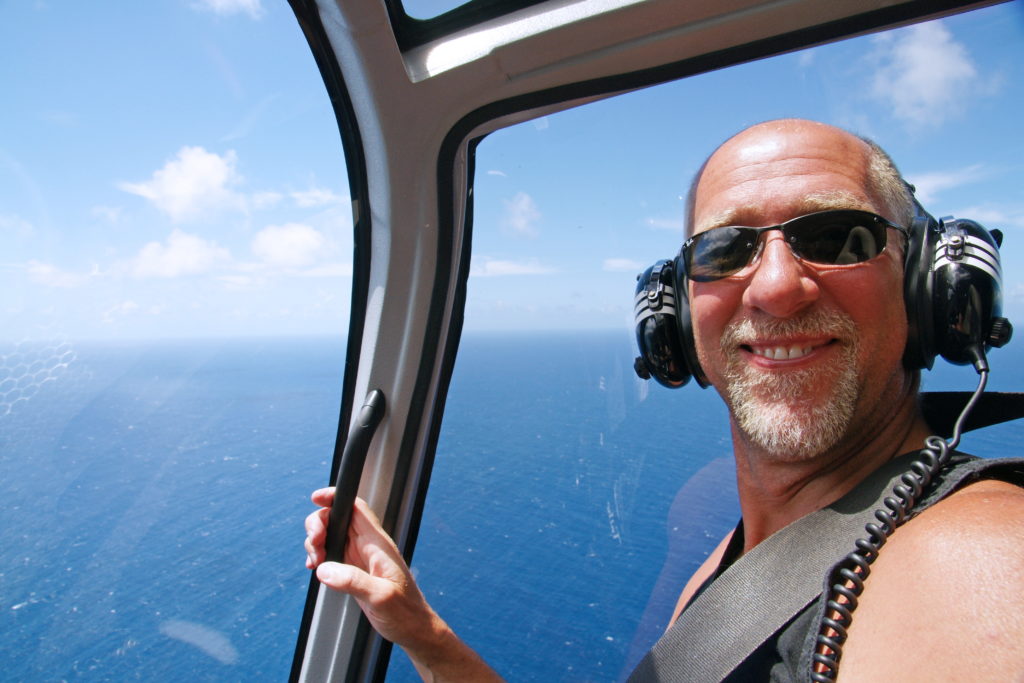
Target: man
x=808, y=358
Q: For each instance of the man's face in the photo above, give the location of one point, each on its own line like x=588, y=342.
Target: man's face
x=805, y=355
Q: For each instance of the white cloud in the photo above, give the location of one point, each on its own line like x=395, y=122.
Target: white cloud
x=292, y=245
x=622, y=265
x=16, y=225
x=498, y=173
x=929, y=185
x=227, y=7
x=183, y=254
x=521, y=215
x=121, y=310
x=993, y=218
x=265, y=200
x=50, y=275
x=57, y=117
x=316, y=196
x=239, y=282
x=328, y=270
x=491, y=268
x=111, y=214
x=252, y=118
x=194, y=182
x=675, y=224
x=924, y=74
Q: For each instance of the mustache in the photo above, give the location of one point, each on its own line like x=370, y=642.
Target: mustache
x=748, y=330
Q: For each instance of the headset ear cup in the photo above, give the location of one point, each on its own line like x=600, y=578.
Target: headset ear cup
x=686, y=338
x=918, y=286
x=657, y=328
x=967, y=278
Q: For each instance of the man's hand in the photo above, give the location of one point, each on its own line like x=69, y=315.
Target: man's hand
x=376, y=575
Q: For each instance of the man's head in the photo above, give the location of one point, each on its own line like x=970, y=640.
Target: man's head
x=884, y=181
x=804, y=354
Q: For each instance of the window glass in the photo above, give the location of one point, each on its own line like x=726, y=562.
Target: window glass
x=570, y=500
x=175, y=256
x=428, y=9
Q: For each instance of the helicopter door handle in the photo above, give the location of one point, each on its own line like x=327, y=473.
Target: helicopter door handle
x=349, y=473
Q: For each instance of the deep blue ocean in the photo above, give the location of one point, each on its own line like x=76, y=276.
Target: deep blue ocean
x=153, y=497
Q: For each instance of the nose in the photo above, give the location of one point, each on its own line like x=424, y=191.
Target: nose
x=780, y=285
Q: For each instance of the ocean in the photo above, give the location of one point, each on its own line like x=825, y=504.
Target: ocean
x=153, y=498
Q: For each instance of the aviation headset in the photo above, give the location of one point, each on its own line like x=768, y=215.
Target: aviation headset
x=952, y=289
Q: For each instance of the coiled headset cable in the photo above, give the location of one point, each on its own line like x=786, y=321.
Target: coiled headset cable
x=855, y=567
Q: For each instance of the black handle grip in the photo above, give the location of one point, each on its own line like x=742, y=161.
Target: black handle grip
x=349, y=473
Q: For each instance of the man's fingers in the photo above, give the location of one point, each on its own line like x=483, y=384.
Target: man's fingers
x=366, y=536
x=365, y=523
x=316, y=536
x=316, y=522
x=323, y=497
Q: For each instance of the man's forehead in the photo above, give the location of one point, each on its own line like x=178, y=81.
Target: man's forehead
x=749, y=214
x=777, y=171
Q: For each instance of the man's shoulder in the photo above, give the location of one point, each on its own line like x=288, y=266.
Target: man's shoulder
x=975, y=534
x=974, y=526
x=946, y=594
x=984, y=505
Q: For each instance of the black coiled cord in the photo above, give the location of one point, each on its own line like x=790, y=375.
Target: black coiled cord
x=855, y=567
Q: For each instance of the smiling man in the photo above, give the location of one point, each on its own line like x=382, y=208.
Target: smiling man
x=794, y=273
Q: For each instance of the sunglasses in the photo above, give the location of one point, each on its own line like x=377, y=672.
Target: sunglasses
x=834, y=238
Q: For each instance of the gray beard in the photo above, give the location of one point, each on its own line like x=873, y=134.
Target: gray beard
x=774, y=409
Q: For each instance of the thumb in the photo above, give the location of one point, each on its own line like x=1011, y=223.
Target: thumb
x=345, y=578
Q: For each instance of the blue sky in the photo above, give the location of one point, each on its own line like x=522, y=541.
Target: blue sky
x=173, y=168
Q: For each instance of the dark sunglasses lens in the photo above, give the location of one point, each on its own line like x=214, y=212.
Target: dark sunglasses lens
x=719, y=253
x=837, y=237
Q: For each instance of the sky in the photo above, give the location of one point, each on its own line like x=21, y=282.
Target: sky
x=173, y=168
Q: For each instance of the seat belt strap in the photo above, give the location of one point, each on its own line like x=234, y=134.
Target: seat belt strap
x=759, y=594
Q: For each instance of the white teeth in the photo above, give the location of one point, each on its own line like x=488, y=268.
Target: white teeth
x=781, y=352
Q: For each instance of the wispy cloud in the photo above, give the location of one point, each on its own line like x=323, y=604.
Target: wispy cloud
x=111, y=214
x=64, y=119
x=993, y=218
x=328, y=270
x=253, y=8
x=674, y=224
x=251, y=120
x=621, y=265
x=924, y=74
x=121, y=310
x=49, y=275
x=316, y=196
x=495, y=267
x=930, y=185
x=264, y=200
x=182, y=254
x=292, y=245
x=15, y=225
x=521, y=215
x=193, y=182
